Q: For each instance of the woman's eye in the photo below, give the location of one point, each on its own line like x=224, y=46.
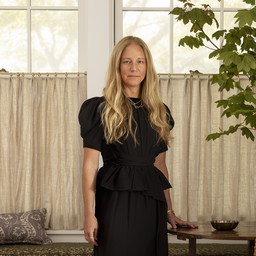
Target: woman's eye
x=126, y=61
x=140, y=62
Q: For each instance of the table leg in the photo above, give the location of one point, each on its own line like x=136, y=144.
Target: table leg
x=251, y=245
x=192, y=247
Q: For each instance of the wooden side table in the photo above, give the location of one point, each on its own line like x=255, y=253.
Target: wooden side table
x=244, y=231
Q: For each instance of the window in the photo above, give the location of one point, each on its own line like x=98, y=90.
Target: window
x=150, y=20
x=39, y=35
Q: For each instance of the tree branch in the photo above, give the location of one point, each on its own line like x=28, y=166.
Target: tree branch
x=207, y=36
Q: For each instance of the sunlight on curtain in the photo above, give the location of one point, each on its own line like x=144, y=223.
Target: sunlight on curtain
x=210, y=179
x=41, y=149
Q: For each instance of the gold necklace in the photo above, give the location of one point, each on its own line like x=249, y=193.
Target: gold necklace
x=138, y=104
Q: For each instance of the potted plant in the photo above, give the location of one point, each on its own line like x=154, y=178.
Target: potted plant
x=237, y=51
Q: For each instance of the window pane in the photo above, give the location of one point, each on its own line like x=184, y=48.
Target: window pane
x=198, y=3
x=54, y=3
x=54, y=41
x=13, y=2
x=235, y=4
x=146, y=3
x=186, y=59
x=13, y=38
x=153, y=28
x=229, y=20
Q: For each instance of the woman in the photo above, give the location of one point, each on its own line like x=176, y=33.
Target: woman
x=130, y=127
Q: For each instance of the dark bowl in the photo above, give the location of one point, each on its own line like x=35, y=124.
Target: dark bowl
x=224, y=224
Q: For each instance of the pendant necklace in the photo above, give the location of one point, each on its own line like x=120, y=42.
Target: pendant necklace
x=138, y=104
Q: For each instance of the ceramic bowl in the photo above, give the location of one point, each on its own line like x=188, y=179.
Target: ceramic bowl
x=224, y=224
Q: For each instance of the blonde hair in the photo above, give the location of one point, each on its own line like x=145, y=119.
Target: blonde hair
x=117, y=117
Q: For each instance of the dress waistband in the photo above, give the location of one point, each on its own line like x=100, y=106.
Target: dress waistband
x=128, y=160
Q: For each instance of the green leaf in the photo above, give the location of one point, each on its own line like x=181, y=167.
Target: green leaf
x=232, y=129
x=236, y=59
x=213, y=136
x=226, y=113
x=225, y=56
x=227, y=84
x=196, y=27
x=201, y=35
x=223, y=103
x=246, y=132
x=189, y=5
x=248, y=43
x=197, y=14
x=251, y=120
x=230, y=57
x=251, y=61
x=218, y=34
x=236, y=109
x=191, y=42
x=244, y=17
x=215, y=79
x=249, y=96
x=248, y=62
x=237, y=98
x=238, y=86
x=253, y=13
x=252, y=2
x=206, y=6
x=214, y=54
x=177, y=11
x=186, y=18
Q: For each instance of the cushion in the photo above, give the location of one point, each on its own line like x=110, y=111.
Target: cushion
x=25, y=227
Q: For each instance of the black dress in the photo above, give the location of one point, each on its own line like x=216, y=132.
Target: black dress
x=130, y=204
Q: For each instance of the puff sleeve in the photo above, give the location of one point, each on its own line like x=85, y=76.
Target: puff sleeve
x=90, y=122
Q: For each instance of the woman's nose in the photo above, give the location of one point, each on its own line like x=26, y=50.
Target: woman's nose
x=133, y=66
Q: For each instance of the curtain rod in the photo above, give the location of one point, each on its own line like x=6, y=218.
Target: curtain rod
x=184, y=74
x=193, y=74
x=43, y=73
x=85, y=73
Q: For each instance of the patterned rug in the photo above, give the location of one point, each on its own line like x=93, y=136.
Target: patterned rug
x=82, y=249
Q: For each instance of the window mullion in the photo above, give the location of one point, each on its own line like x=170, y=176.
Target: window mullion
x=118, y=30
x=221, y=23
x=171, y=38
x=29, y=50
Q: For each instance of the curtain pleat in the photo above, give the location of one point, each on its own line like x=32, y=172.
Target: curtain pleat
x=41, y=149
x=213, y=179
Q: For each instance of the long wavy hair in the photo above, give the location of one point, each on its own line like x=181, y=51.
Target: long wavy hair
x=117, y=117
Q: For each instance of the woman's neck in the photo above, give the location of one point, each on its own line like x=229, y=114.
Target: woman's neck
x=132, y=93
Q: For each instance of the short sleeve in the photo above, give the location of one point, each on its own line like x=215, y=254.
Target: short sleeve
x=90, y=123
x=169, y=118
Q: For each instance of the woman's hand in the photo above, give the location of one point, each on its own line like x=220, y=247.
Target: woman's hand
x=175, y=221
x=91, y=229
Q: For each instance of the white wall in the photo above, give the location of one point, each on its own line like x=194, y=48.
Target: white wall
x=98, y=40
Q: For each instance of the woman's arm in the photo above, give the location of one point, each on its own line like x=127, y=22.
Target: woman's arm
x=160, y=163
x=90, y=169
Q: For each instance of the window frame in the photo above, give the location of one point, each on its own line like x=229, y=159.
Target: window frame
x=80, y=8
x=119, y=9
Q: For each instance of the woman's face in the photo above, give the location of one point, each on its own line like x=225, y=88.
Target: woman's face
x=133, y=67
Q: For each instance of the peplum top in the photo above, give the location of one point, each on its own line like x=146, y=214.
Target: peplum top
x=126, y=166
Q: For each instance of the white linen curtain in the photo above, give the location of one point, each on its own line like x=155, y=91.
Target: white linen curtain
x=40, y=146
x=41, y=150
x=211, y=180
